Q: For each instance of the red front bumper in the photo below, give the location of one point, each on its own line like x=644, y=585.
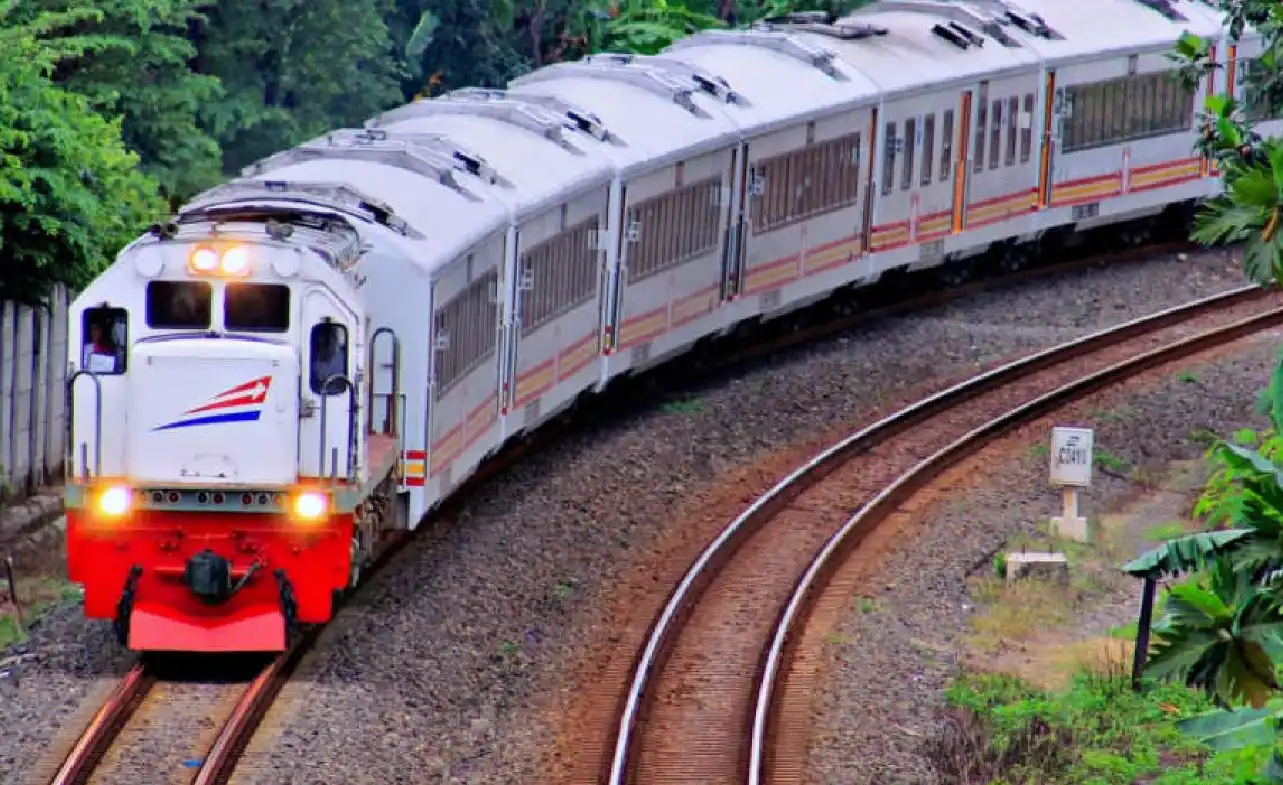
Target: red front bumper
x=166, y=615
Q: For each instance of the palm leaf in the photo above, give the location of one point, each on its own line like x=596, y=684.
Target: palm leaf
x=1231, y=730
x=1185, y=554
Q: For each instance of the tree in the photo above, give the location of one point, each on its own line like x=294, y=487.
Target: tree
x=131, y=59
x=70, y=193
x=292, y=69
x=1222, y=631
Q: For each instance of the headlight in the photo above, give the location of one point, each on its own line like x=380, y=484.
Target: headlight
x=114, y=502
x=310, y=506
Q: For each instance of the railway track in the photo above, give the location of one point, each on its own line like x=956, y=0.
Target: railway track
x=224, y=714
x=719, y=692
x=152, y=707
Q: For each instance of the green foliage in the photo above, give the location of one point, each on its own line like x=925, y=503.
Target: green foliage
x=131, y=59
x=1096, y=732
x=1252, y=206
x=70, y=193
x=292, y=69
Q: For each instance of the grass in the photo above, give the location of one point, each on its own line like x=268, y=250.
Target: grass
x=1166, y=531
x=1001, y=731
x=37, y=596
x=1186, y=377
x=687, y=406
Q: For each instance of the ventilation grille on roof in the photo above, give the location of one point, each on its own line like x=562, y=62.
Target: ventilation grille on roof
x=821, y=23
x=1034, y=24
x=1165, y=8
x=958, y=35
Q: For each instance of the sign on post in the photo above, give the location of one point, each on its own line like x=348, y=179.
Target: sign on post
x=1071, y=465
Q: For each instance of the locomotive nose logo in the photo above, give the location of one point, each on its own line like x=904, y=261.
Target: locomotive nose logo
x=242, y=403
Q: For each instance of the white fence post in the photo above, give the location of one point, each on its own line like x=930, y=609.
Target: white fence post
x=33, y=416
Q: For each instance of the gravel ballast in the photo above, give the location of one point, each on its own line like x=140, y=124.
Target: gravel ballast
x=456, y=662
x=890, y=660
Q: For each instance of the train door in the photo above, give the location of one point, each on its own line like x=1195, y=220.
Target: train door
x=926, y=173
x=961, y=162
x=1002, y=185
x=866, y=225
x=329, y=375
x=899, y=162
x=736, y=226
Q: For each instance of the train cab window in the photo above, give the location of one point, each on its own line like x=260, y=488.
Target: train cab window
x=1027, y=132
x=888, y=160
x=910, y=152
x=946, y=145
x=257, y=307
x=179, y=305
x=327, y=350
x=104, y=336
x=928, y=150
x=1013, y=127
x=995, y=136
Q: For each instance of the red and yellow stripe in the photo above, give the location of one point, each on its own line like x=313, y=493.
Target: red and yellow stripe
x=831, y=255
x=693, y=306
x=1147, y=178
x=1001, y=208
x=771, y=275
x=413, y=464
x=643, y=327
x=1087, y=189
x=575, y=356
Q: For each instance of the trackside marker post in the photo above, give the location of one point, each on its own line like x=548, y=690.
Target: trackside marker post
x=1071, y=464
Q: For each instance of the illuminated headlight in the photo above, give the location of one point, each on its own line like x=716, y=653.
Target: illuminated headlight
x=204, y=260
x=114, y=502
x=235, y=262
x=310, y=506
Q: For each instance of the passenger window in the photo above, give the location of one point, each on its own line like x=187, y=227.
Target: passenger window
x=928, y=149
x=1027, y=133
x=995, y=136
x=1013, y=125
x=257, y=307
x=946, y=145
x=910, y=152
x=178, y=305
x=888, y=161
x=328, y=348
x=104, y=337
x=981, y=123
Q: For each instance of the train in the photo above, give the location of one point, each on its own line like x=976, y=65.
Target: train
x=304, y=362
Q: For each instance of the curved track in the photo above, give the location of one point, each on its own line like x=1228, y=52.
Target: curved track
x=709, y=698
x=215, y=717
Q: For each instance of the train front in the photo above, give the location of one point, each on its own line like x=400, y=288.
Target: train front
x=194, y=520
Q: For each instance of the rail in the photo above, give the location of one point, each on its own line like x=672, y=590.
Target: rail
x=892, y=496
x=662, y=634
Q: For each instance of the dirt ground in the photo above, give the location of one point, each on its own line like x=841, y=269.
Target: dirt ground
x=1042, y=631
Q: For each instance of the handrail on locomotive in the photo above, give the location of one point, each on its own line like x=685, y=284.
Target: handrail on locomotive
x=391, y=426
x=351, y=430
x=71, y=418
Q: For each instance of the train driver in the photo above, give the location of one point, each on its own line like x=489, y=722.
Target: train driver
x=100, y=354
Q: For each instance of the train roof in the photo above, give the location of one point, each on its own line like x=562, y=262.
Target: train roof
x=655, y=111
x=909, y=45
x=779, y=78
x=537, y=156
x=432, y=221
x=1088, y=28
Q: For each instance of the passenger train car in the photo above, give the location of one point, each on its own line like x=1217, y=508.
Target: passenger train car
x=310, y=358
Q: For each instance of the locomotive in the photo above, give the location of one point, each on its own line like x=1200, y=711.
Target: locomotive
x=305, y=361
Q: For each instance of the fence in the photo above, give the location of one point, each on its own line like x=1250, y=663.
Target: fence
x=33, y=405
